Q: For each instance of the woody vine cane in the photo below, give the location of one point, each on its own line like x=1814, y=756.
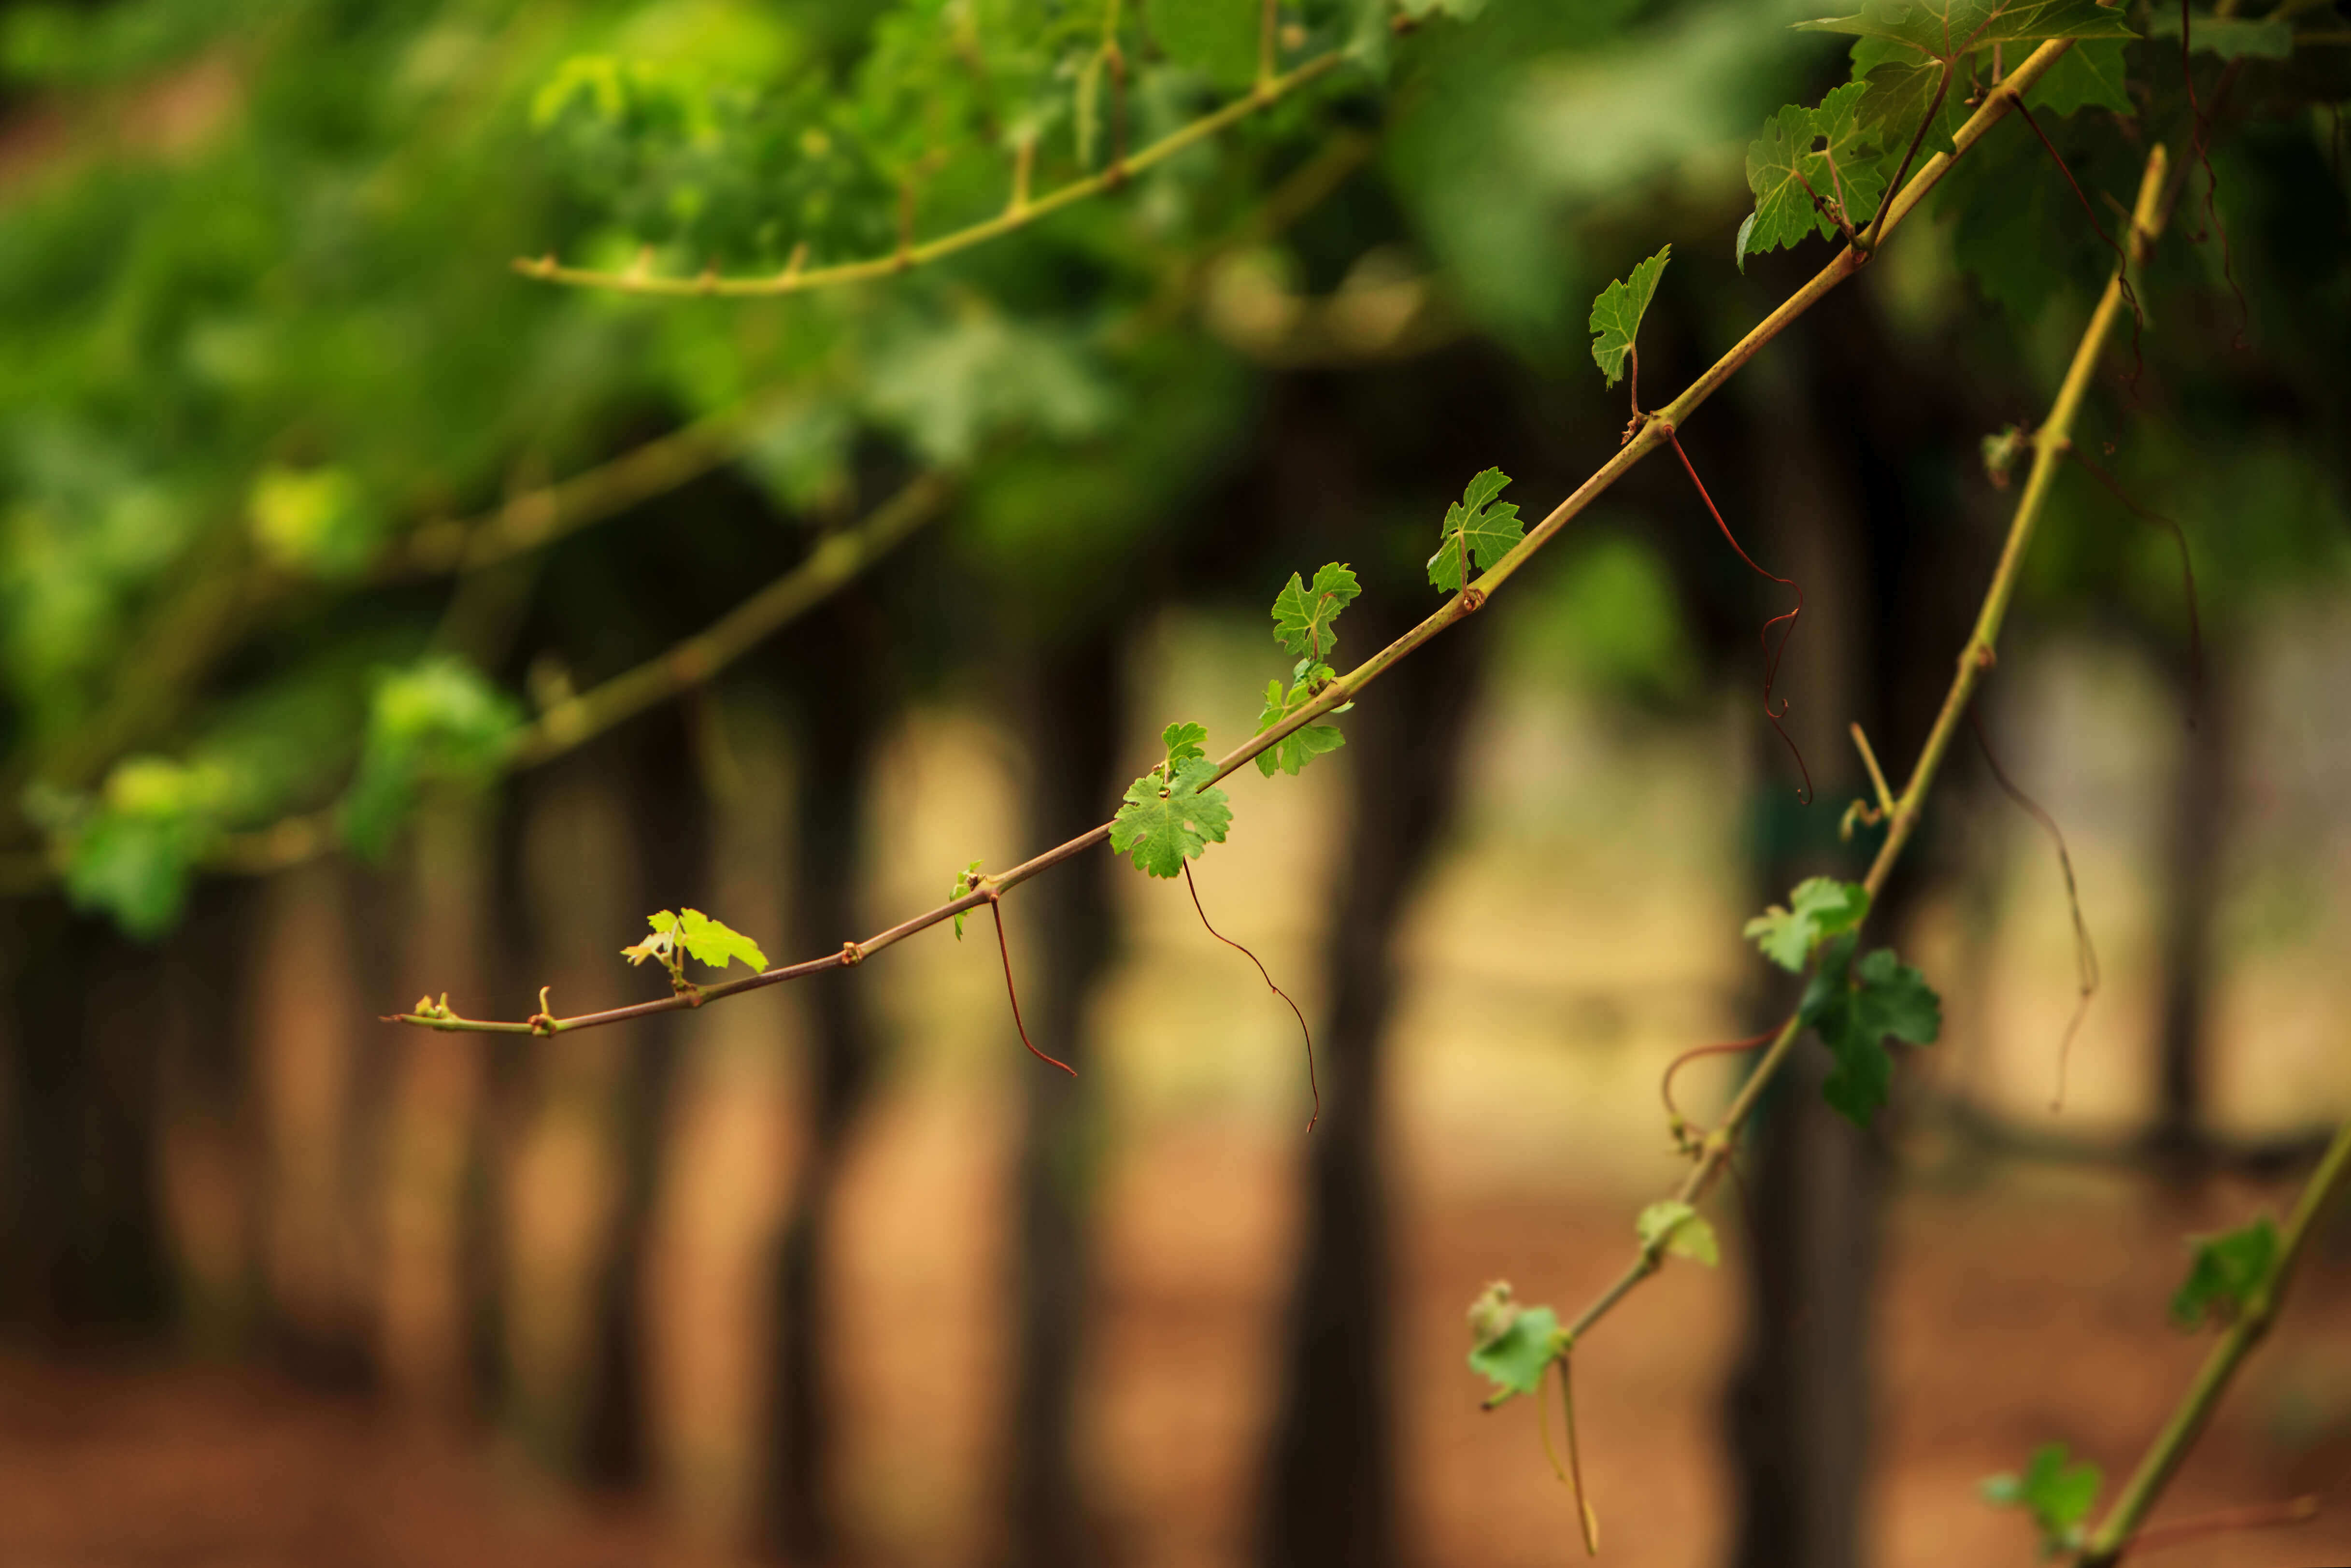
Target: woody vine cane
x=1853, y=1001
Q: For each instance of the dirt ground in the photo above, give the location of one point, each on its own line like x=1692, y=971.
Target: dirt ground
x=2016, y=1310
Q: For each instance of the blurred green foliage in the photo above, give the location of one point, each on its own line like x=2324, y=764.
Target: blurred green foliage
x=258, y=332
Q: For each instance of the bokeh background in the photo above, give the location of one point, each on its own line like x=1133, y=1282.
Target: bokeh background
x=308, y=504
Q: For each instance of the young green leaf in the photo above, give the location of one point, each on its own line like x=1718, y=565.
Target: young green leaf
x=1786, y=171
x=1853, y=1008
x=439, y=720
x=1169, y=818
x=1488, y=530
x=1305, y=620
x=133, y=851
x=2058, y=1495
x=1951, y=30
x=661, y=946
x=717, y=943
x=1684, y=1232
x=1896, y=94
x=705, y=940
x=1184, y=742
x=966, y=880
x=2229, y=1268
x=1616, y=315
x=1514, y=1344
x=1821, y=907
x=1308, y=741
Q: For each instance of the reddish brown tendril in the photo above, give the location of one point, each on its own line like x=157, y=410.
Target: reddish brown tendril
x=2085, y=953
x=1772, y=650
x=2187, y=575
x=2121, y=256
x=2201, y=135
x=995, y=909
x=1728, y=1048
x=1310, y=1084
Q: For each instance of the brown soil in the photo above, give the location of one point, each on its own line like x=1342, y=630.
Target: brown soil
x=2025, y=1310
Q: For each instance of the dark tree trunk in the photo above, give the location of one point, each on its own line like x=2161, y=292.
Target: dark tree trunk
x=1331, y=1496
x=670, y=809
x=1075, y=721
x=204, y=1165
x=839, y=728
x=2200, y=811
x=83, y=1244
x=1799, y=1401
x=1834, y=515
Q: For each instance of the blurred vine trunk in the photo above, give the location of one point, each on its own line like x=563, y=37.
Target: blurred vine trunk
x=1838, y=513
x=833, y=667
x=1331, y=1494
x=2180, y=1138
x=1798, y=1400
x=1075, y=721
x=608, y=836
x=709, y=1276
x=204, y=1154
x=83, y=1243
x=669, y=816
x=584, y=891
x=307, y=1004
x=1837, y=443
x=433, y=1137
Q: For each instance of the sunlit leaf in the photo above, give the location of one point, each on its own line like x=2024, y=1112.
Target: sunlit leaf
x=1616, y=315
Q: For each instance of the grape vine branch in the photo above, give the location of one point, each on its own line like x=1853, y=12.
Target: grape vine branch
x=1342, y=689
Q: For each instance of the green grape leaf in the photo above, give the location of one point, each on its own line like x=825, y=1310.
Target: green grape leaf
x=1215, y=37
x=717, y=943
x=1184, y=742
x=316, y=521
x=1895, y=97
x=661, y=946
x=2090, y=74
x=1821, y=907
x=1684, y=1232
x=1853, y=1008
x=1308, y=741
x=1616, y=315
x=1785, y=172
x=1487, y=528
x=2228, y=37
x=2227, y=1270
x=1515, y=1358
x=2056, y=1495
x=134, y=854
x=966, y=880
x=1306, y=619
x=1168, y=819
x=1948, y=29
x=438, y=720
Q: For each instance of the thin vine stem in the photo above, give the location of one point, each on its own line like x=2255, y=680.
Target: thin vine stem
x=1942, y=89
x=2120, y=1528
x=1346, y=688
x=1975, y=658
x=1017, y=215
